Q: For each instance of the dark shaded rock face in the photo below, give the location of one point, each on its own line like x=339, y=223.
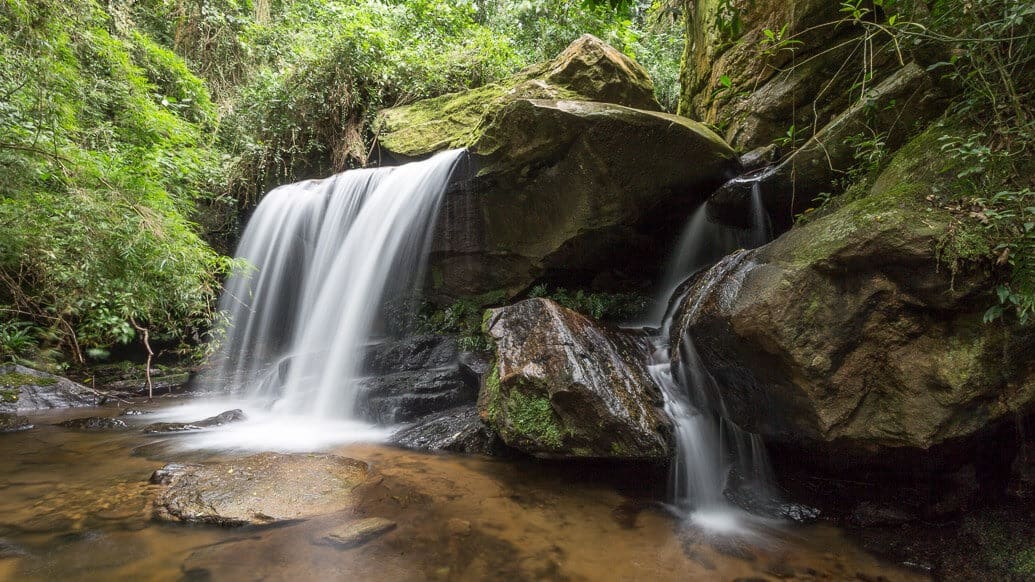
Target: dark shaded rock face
x=94, y=424
x=24, y=389
x=566, y=176
x=258, y=490
x=220, y=419
x=565, y=386
x=845, y=336
x=457, y=430
x=413, y=377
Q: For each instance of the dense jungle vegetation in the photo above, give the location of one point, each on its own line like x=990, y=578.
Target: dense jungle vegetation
x=132, y=131
x=131, y=128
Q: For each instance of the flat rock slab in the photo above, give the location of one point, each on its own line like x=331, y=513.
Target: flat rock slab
x=259, y=490
x=357, y=532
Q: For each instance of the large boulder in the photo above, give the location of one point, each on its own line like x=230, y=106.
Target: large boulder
x=568, y=172
x=24, y=389
x=565, y=386
x=849, y=336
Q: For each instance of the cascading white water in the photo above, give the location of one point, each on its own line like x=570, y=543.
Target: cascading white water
x=328, y=256
x=710, y=449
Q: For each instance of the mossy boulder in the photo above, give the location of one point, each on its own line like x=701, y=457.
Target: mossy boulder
x=566, y=386
x=572, y=172
x=848, y=334
x=24, y=389
x=588, y=70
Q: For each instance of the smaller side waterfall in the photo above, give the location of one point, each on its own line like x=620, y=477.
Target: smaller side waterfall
x=330, y=257
x=713, y=454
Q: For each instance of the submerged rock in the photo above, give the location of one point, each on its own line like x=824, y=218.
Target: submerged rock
x=13, y=423
x=220, y=419
x=458, y=430
x=23, y=389
x=571, y=169
x=258, y=490
x=94, y=424
x=565, y=386
x=357, y=532
x=847, y=336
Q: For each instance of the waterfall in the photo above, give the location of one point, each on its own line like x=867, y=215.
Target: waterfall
x=713, y=455
x=331, y=259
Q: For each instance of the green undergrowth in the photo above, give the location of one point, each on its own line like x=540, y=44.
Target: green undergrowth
x=106, y=148
x=610, y=307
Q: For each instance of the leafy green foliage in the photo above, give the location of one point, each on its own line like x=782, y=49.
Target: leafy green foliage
x=119, y=120
x=463, y=318
x=102, y=156
x=614, y=307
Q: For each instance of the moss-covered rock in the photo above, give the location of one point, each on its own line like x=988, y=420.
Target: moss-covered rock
x=588, y=70
x=565, y=386
x=24, y=389
x=571, y=170
x=853, y=333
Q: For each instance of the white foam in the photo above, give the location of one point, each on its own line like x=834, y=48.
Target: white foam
x=263, y=430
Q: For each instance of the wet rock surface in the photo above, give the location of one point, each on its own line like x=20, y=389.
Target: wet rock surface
x=565, y=386
x=220, y=419
x=407, y=396
x=846, y=340
x=259, y=490
x=414, y=377
x=457, y=430
x=14, y=423
x=24, y=389
x=95, y=424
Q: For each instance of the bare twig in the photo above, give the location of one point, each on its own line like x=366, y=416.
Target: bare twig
x=150, y=355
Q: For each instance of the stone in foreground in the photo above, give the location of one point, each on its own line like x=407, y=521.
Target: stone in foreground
x=261, y=489
x=94, y=424
x=358, y=532
x=566, y=386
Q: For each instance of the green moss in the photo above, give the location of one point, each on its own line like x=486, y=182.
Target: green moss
x=532, y=417
x=897, y=200
x=491, y=396
x=8, y=395
x=15, y=379
x=620, y=450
